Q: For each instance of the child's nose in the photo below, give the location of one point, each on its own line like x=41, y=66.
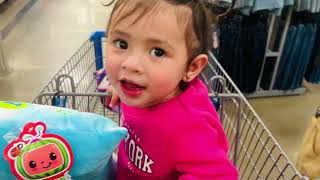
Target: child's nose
x=132, y=64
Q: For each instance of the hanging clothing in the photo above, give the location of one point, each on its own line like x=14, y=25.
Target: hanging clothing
x=314, y=6
x=272, y=5
x=248, y=7
x=284, y=64
x=307, y=5
x=243, y=44
x=242, y=47
x=297, y=5
x=313, y=70
x=298, y=52
x=304, y=57
x=288, y=2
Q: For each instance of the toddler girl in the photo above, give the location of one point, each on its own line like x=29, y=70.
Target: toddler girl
x=155, y=51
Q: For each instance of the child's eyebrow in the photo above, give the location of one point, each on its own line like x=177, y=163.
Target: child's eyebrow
x=158, y=41
x=149, y=40
x=119, y=33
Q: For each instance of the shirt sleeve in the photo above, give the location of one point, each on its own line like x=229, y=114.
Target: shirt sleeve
x=199, y=151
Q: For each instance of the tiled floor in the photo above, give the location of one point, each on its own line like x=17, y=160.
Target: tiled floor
x=42, y=42
x=53, y=30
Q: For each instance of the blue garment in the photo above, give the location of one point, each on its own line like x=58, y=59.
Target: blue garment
x=285, y=55
x=299, y=61
x=273, y=5
x=315, y=76
x=305, y=54
x=311, y=45
x=313, y=71
x=294, y=55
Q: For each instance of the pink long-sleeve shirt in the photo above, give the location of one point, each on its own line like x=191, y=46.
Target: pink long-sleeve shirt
x=179, y=139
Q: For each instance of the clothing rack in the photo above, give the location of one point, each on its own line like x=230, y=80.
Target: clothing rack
x=265, y=78
x=278, y=58
x=270, y=92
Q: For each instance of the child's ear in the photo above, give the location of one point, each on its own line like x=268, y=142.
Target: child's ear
x=195, y=68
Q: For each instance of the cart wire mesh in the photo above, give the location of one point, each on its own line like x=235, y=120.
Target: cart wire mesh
x=253, y=149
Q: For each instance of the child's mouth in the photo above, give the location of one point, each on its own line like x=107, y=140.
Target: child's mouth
x=130, y=88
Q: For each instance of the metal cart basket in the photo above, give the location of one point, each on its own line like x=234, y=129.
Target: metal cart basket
x=253, y=149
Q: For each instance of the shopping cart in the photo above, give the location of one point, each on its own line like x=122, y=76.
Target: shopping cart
x=252, y=147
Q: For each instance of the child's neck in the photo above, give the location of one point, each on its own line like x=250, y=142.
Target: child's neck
x=170, y=96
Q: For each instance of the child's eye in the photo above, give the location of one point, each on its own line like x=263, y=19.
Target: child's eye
x=121, y=44
x=158, y=52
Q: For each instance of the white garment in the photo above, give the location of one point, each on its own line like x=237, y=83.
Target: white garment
x=305, y=5
x=314, y=6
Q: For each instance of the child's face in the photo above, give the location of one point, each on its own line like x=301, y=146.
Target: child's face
x=146, y=61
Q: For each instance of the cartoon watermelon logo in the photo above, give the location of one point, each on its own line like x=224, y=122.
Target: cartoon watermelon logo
x=36, y=155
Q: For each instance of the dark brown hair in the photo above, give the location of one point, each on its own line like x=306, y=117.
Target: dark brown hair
x=196, y=18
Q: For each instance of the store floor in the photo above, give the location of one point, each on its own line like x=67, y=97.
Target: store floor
x=51, y=31
x=288, y=117
x=44, y=39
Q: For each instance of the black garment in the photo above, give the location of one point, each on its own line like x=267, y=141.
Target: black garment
x=242, y=48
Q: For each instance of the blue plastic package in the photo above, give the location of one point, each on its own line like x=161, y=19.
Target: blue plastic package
x=92, y=138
